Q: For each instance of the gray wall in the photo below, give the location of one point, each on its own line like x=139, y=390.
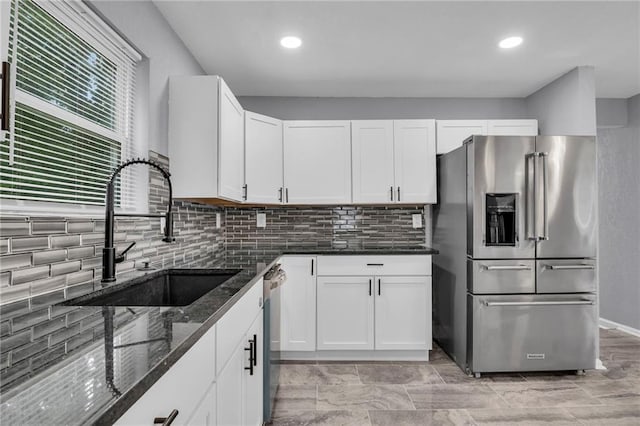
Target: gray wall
x=619, y=204
x=141, y=23
x=294, y=108
x=612, y=112
x=567, y=105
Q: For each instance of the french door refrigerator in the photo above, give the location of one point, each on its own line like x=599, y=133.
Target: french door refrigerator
x=515, y=281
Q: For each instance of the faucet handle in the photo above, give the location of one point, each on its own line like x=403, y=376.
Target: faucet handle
x=120, y=257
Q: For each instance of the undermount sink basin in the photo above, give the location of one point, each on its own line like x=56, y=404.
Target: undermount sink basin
x=173, y=287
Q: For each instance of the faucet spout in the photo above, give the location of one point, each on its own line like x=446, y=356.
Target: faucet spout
x=109, y=258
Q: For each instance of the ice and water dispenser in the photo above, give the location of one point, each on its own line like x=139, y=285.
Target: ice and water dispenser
x=500, y=219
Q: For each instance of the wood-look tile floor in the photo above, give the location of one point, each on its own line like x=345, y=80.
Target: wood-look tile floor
x=439, y=393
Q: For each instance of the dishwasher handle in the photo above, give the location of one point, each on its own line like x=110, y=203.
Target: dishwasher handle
x=544, y=303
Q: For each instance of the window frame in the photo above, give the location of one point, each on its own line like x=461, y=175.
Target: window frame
x=95, y=31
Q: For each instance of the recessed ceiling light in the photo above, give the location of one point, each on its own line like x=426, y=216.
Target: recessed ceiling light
x=290, y=42
x=510, y=42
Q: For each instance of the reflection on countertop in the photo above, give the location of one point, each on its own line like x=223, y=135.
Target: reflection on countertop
x=89, y=364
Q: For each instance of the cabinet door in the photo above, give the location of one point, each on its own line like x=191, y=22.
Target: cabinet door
x=372, y=161
x=451, y=133
x=231, y=145
x=205, y=414
x=512, y=127
x=415, y=161
x=403, y=313
x=317, y=162
x=263, y=159
x=345, y=313
x=229, y=398
x=180, y=388
x=298, y=304
x=252, y=386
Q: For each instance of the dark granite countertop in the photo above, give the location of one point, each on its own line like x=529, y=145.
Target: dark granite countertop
x=80, y=379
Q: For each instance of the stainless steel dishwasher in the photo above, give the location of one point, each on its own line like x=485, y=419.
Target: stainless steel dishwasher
x=273, y=280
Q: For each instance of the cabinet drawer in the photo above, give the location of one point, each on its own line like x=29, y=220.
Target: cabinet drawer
x=501, y=276
x=566, y=276
x=374, y=265
x=234, y=324
x=533, y=333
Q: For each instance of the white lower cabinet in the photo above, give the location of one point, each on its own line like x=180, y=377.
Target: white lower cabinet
x=218, y=381
x=298, y=304
x=205, y=414
x=180, y=388
x=345, y=313
x=364, y=303
x=229, y=382
x=252, y=379
x=239, y=396
x=403, y=313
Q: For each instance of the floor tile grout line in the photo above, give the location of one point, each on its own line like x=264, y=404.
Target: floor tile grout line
x=404, y=387
x=566, y=410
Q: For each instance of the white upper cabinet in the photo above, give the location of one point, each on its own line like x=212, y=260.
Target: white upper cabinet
x=317, y=162
x=393, y=161
x=451, y=133
x=263, y=159
x=206, y=139
x=512, y=127
x=231, y=145
x=415, y=161
x=372, y=161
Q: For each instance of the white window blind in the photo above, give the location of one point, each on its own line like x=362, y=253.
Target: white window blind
x=72, y=110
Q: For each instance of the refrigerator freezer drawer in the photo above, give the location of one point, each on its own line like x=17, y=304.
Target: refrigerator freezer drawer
x=501, y=276
x=532, y=333
x=566, y=276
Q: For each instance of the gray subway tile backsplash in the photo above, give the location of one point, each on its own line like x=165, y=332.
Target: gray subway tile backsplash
x=29, y=244
x=46, y=228
x=65, y=268
x=65, y=241
x=49, y=256
x=21, y=276
x=9, y=228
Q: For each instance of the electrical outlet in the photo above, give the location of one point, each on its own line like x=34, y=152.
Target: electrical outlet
x=218, y=220
x=261, y=220
x=417, y=220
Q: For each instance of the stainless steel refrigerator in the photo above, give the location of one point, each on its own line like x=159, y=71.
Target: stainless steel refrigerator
x=515, y=284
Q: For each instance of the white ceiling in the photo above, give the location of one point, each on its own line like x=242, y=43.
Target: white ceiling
x=410, y=49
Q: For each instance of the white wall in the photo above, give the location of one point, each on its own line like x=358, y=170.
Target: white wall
x=141, y=23
x=567, y=105
x=619, y=211
x=301, y=108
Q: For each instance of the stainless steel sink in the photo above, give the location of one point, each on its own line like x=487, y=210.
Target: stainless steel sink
x=172, y=287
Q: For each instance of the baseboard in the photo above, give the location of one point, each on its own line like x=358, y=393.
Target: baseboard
x=605, y=323
x=353, y=355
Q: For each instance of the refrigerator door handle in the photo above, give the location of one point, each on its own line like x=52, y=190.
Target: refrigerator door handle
x=564, y=267
x=547, y=303
x=507, y=267
x=530, y=197
x=545, y=180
